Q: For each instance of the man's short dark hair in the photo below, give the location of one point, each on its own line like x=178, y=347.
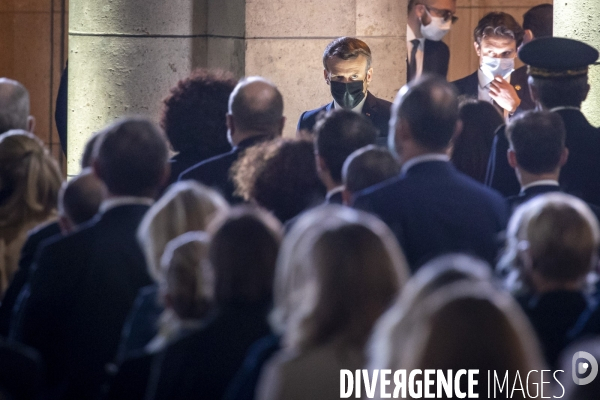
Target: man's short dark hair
x=340, y=133
x=346, y=48
x=131, y=157
x=560, y=92
x=539, y=20
x=498, y=24
x=369, y=166
x=430, y=107
x=250, y=113
x=194, y=113
x=538, y=140
x=80, y=198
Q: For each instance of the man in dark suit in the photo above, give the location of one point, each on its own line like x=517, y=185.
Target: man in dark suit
x=428, y=21
x=559, y=82
x=84, y=284
x=348, y=72
x=339, y=134
x=255, y=115
x=496, y=39
x=431, y=207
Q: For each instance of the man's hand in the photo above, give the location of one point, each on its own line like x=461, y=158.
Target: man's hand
x=503, y=93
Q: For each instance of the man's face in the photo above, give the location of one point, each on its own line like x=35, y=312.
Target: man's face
x=346, y=71
x=496, y=47
x=437, y=8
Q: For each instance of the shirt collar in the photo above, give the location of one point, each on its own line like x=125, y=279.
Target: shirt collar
x=124, y=201
x=565, y=108
x=334, y=191
x=410, y=36
x=421, y=159
x=543, y=182
x=358, y=109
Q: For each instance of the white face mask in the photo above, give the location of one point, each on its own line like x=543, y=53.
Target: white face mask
x=492, y=66
x=436, y=29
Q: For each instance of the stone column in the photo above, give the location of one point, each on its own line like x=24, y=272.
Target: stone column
x=578, y=19
x=124, y=56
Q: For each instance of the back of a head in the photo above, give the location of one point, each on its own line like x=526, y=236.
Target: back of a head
x=538, y=20
x=562, y=237
x=347, y=48
x=189, y=279
x=243, y=252
x=87, y=158
x=560, y=92
x=538, y=140
x=131, y=157
x=14, y=105
x=339, y=134
x=471, y=147
x=256, y=106
x=30, y=179
x=430, y=107
x=185, y=206
x=80, y=198
x=498, y=24
x=194, y=115
x=368, y=166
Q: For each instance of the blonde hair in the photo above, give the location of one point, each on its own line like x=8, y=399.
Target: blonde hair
x=186, y=206
x=354, y=268
x=30, y=180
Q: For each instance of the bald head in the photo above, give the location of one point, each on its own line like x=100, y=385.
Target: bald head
x=255, y=108
x=14, y=106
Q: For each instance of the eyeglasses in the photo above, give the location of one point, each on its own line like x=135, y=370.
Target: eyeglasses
x=447, y=15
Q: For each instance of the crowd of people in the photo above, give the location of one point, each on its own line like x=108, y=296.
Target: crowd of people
x=209, y=257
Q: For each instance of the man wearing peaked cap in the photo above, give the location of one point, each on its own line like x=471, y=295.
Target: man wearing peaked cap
x=558, y=80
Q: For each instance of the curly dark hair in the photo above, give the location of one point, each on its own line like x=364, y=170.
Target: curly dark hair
x=194, y=113
x=280, y=176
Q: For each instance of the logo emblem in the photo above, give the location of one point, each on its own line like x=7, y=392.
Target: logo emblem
x=580, y=367
x=518, y=87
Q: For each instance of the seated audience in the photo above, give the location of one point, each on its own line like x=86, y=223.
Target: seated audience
x=186, y=290
x=79, y=200
x=431, y=207
x=366, y=167
x=553, y=242
x=243, y=252
x=29, y=183
x=280, y=176
x=337, y=135
x=353, y=269
x=194, y=118
x=84, y=284
x=255, y=115
x=14, y=107
x=471, y=147
x=185, y=206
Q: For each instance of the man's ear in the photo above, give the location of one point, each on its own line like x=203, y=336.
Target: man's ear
x=346, y=197
x=564, y=156
x=30, y=123
x=166, y=175
x=512, y=158
x=458, y=127
x=477, y=49
x=65, y=224
x=527, y=37
x=97, y=169
x=326, y=76
x=229, y=121
x=281, y=126
x=321, y=165
x=369, y=75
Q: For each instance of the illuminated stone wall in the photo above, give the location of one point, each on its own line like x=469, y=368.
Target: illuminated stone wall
x=578, y=19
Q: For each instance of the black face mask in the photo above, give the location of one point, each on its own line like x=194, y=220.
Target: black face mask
x=347, y=95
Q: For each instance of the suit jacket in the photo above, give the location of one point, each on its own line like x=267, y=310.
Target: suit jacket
x=436, y=57
x=579, y=176
x=187, y=159
x=377, y=110
x=81, y=292
x=469, y=87
x=21, y=372
x=434, y=209
x=214, y=172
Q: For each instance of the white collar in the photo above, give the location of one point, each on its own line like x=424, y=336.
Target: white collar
x=335, y=190
x=421, y=159
x=410, y=36
x=543, y=182
x=565, y=108
x=357, y=109
x=123, y=201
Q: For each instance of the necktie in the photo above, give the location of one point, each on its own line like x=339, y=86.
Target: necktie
x=412, y=65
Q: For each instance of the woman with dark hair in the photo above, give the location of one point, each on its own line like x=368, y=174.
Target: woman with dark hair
x=471, y=148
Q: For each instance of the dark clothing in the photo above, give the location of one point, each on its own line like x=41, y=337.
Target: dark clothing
x=335, y=198
x=202, y=364
x=553, y=315
x=21, y=372
x=243, y=385
x=81, y=291
x=131, y=381
x=21, y=277
x=436, y=56
x=579, y=176
x=377, y=110
x=434, y=209
x=469, y=87
x=214, y=172
x=141, y=324
x=186, y=159
x=60, y=114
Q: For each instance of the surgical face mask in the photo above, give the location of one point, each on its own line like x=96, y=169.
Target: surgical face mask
x=436, y=29
x=347, y=95
x=492, y=66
